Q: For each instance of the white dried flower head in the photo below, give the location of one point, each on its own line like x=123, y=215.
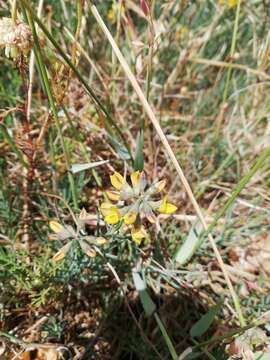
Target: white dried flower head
x=15, y=38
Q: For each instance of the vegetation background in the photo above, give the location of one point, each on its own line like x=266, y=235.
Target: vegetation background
x=70, y=117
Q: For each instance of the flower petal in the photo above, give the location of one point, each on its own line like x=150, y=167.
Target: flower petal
x=138, y=234
x=62, y=252
x=130, y=218
x=87, y=249
x=117, y=181
x=56, y=227
x=113, y=216
x=167, y=208
x=135, y=178
x=105, y=208
x=113, y=195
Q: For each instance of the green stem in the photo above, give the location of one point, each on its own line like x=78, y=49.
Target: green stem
x=109, y=119
x=233, y=46
x=78, y=29
x=48, y=90
x=166, y=337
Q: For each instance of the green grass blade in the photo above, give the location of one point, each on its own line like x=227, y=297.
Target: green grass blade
x=109, y=118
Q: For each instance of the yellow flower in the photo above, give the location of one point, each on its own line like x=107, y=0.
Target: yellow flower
x=138, y=234
x=111, y=16
x=112, y=13
x=111, y=214
x=113, y=195
x=117, y=181
x=166, y=208
x=130, y=218
x=135, y=178
x=229, y=3
x=56, y=227
x=113, y=217
x=62, y=252
x=87, y=249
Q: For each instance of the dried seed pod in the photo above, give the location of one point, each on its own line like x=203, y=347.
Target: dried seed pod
x=15, y=38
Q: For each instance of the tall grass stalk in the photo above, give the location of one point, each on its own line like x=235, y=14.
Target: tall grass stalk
x=171, y=155
x=110, y=121
x=233, y=46
x=48, y=90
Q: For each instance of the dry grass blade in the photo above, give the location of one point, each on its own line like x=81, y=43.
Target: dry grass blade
x=171, y=155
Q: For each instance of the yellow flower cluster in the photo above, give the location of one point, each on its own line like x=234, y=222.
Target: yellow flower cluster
x=86, y=242
x=130, y=202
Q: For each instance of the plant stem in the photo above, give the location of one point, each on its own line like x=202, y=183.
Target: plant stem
x=233, y=46
x=108, y=117
x=48, y=90
x=166, y=337
x=78, y=29
x=14, y=12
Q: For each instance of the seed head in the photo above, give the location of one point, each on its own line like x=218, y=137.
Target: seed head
x=15, y=38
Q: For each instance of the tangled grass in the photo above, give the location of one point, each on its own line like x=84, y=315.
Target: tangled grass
x=174, y=90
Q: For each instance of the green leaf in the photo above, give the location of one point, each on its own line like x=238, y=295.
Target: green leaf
x=75, y=168
x=259, y=355
x=139, y=156
x=201, y=326
x=119, y=148
x=186, y=251
x=147, y=303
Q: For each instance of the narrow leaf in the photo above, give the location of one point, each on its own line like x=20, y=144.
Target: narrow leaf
x=139, y=157
x=119, y=148
x=147, y=303
x=201, y=326
x=75, y=168
x=186, y=251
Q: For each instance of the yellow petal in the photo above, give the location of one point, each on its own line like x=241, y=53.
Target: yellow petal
x=59, y=256
x=232, y=3
x=56, y=227
x=113, y=216
x=138, y=234
x=117, y=181
x=167, y=208
x=87, y=249
x=91, y=253
x=135, y=178
x=62, y=252
x=105, y=208
x=130, y=218
x=113, y=195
